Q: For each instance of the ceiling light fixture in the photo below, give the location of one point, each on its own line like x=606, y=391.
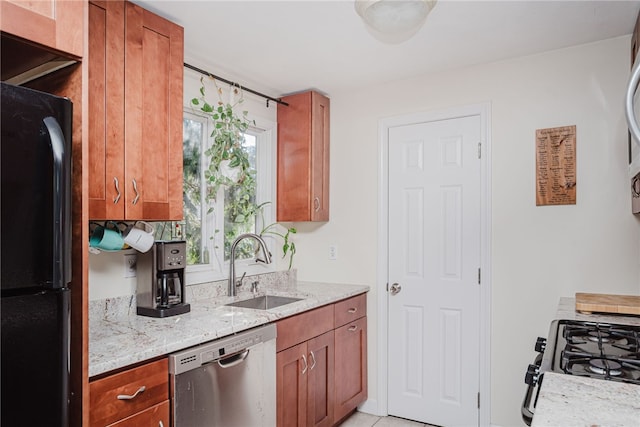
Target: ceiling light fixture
x=394, y=21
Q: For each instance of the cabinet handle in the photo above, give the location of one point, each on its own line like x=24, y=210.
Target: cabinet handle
x=316, y=203
x=117, y=184
x=135, y=188
x=352, y=310
x=313, y=356
x=131, y=396
x=160, y=423
x=353, y=328
x=304, y=359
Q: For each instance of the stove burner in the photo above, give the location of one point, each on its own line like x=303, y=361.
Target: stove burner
x=599, y=336
x=605, y=367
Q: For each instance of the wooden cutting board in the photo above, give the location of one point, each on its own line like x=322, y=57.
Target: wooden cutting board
x=607, y=303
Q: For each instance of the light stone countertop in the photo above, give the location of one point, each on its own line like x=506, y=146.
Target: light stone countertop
x=567, y=310
x=122, y=339
x=570, y=400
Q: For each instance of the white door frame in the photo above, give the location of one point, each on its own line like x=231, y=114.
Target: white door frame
x=379, y=406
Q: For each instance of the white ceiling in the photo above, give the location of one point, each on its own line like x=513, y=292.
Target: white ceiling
x=279, y=47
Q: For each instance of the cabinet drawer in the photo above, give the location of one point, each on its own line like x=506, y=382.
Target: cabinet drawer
x=106, y=408
x=156, y=416
x=350, y=309
x=304, y=326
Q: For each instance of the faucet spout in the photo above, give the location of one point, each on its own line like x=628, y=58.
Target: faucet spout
x=232, y=259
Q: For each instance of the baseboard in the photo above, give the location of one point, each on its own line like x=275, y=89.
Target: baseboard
x=370, y=406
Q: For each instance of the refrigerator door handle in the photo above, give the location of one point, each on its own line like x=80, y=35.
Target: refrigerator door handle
x=61, y=218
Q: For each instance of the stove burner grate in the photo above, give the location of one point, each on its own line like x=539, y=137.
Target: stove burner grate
x=598, y=350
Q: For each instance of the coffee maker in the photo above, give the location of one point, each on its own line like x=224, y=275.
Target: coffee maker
x=160, y=271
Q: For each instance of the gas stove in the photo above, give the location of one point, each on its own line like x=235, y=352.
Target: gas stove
x=598, y=350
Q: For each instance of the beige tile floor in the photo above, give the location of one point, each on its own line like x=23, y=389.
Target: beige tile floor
x=360, y=419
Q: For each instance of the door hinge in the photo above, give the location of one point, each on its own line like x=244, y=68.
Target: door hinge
x=478, y=400
x=479, y=275
x=387, y=286
x=479, y=150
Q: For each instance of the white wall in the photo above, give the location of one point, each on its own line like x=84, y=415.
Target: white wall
x=538, y=253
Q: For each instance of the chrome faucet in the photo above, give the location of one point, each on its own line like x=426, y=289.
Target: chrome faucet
x=232, y=259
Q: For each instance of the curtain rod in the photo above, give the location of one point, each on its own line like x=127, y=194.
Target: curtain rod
x=206, y=73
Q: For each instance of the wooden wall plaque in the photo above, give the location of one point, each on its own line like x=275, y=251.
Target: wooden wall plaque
x=556, y=166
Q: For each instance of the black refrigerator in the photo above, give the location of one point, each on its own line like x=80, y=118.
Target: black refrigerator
x=35, y=257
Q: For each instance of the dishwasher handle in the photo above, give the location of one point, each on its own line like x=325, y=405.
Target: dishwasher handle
x=234, y=359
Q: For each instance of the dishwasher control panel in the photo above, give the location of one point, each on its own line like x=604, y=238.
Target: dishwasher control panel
x=195, y=357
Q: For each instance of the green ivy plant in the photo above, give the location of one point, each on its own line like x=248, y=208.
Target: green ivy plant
x=228, y=161
x=229, y=167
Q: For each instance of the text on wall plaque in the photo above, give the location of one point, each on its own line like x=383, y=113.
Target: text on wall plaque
x=556, y=166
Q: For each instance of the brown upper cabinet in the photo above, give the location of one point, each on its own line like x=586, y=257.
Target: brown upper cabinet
x=303, y=158
x=135, y=113
x=56, y=24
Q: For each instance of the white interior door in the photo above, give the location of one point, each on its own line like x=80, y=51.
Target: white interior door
x=434, y=257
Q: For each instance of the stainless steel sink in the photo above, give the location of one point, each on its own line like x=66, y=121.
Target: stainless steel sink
x=264, y=302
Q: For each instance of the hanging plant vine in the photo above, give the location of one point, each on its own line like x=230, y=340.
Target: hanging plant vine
x=229, y=167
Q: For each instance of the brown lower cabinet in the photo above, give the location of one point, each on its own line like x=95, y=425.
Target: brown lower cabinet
x=322, y=370
x=135, y=397
x=156, y=416
x=350, y=367
x=305, y=383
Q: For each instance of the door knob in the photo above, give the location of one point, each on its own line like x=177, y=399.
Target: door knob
x=395, y=288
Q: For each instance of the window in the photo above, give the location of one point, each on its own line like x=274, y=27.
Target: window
x=209, y=229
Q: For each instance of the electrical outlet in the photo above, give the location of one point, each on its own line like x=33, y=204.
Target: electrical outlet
x=333, y=252
x=130, y=261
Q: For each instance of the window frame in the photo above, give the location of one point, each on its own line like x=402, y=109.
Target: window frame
x=217, y=268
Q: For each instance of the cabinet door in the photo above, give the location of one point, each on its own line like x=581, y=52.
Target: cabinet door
x=52, y=23
x=350, y=367
x=156, y=416
x=291, y=386
x=153, y=116
x=303, y=158
x=106, y=110
x=320, y=380
x=319, y=157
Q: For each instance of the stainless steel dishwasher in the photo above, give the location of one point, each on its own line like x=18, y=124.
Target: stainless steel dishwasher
x=225, y=383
